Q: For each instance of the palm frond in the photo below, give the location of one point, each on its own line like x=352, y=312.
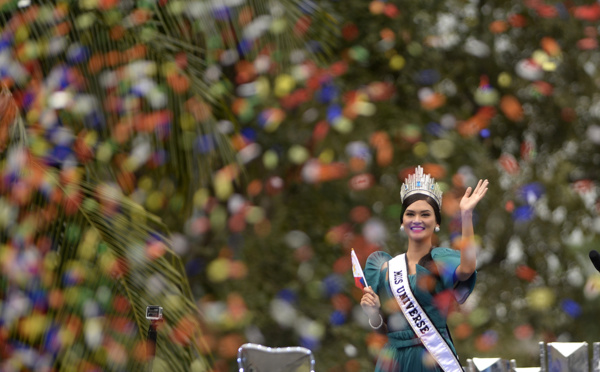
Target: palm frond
x=87, y=261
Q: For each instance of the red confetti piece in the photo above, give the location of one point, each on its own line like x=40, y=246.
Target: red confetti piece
x=587, y=44
x=361, y=182
x=302, y=25
x=525, y=273
x=587, y=12
x=360, y=214
x=391, y=11
x=517, y=20
x=350, y=32
x=498, y=27
x=511, y=108
x=509, y=163
x=523, y=332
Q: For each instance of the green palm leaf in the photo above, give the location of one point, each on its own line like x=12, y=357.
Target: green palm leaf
x=114, y=94
x=94, y=260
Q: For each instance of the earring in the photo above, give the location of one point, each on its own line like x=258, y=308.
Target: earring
x=437, y=229
x=402, y=228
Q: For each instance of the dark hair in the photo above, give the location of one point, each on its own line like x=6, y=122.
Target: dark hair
x=431, y=201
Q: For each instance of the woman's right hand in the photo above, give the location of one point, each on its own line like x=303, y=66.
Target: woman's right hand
x=370, y=303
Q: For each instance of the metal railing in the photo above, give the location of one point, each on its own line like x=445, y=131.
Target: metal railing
x=554, y=357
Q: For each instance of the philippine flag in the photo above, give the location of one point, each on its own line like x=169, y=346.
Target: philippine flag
x=359, y=277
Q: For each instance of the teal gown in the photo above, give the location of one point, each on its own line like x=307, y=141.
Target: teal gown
x=404, y=351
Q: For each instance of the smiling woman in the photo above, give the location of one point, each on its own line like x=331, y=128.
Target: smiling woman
x=416, y=288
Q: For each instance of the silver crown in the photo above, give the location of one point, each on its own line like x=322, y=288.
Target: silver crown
x=419, y=183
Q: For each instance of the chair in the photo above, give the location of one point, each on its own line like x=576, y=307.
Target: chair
x=514, y=368
x=259, y=358
x=596, y=357
x=564, y=357
x=487, y=365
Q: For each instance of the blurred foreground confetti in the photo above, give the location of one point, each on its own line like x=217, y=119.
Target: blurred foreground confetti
x=221, y=159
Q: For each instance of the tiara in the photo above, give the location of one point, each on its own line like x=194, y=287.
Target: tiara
x=420, y=183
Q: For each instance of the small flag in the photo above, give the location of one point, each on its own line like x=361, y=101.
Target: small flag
x=359, y=277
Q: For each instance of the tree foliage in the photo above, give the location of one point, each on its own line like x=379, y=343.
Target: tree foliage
x=221, y=159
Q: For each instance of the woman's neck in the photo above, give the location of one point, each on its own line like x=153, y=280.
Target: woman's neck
x=417, y=250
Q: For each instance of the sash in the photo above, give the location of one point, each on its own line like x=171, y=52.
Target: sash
x=417, y=317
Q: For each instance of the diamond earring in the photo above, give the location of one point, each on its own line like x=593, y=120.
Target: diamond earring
x=402, y=228
x=437, y=229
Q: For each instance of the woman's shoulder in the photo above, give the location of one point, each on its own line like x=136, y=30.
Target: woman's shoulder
x=378, y=258
x=376, y=269
x=442, y=252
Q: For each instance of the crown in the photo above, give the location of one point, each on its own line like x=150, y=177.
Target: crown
x=419, y=183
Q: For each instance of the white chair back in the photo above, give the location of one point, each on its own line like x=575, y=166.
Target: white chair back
x=259, y=358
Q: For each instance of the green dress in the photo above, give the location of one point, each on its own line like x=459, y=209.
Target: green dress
x=404, y=351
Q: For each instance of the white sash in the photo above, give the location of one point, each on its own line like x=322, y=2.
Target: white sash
x=417, y=317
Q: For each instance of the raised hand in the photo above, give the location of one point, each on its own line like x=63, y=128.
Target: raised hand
x=472, y=197
x=370, y=303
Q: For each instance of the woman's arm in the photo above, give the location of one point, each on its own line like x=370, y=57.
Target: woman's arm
x=371, y=306
x=468, y=256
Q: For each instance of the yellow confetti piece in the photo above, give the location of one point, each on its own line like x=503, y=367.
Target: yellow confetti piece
x=87, y=247
x=218, y=270
x=343, y=125
x=541, y=298
x=22, y=34
x=107, y=262
x=104, y=153
x=420, y=149
x=298, y=154
x=218, y=217
x=33, y=327
x=201, y=197
x=263, y=87
x=278, y=26
x=88, y=4
x=397, y=62
x=155, y=201
x=365, y=108
x=549, y=66
x=540, y=57
x=66, y=337
x=51, y=261
x=187, y=121
x=284, y=84
x=255, y=214
x=270, y=159
x=326, y=156
x=223, y=186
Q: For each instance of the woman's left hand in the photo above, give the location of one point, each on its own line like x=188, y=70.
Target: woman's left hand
x=472, y=197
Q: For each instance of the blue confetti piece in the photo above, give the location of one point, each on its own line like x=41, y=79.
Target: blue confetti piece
x=77, y=54
x=337, y=318
x=195, y=266
x=436, y=129
x=328, y=93
x=160, y=157
x=205, y=144
x=428, y=77
x=572, y=308
x=249, y=134
x=288, y=296
x=244, y=47
x=221, y=13
x=333, y=284
x=531, y=192
x=309, y=343
x=308, y=6
x=523, y=214
x=333, y=112
x=313, y=46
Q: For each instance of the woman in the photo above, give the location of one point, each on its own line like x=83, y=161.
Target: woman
x=413, y=291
